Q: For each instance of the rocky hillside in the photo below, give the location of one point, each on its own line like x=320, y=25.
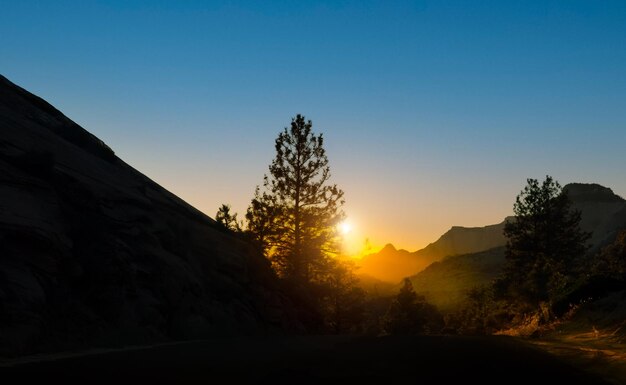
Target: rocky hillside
x=95, y=253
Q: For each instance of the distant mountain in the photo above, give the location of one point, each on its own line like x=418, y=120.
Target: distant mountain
x=392, y=265
x=603, y=215
x=92, y=252
x=603, y=212
x=463, y=240
x=445, y=283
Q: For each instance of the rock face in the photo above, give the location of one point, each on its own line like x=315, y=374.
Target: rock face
x=603, y=212
x=92, y=252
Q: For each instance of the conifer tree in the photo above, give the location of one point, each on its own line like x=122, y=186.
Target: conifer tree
x=409, y=313
x=544, y=241
x=227, y=219
x=296, y=215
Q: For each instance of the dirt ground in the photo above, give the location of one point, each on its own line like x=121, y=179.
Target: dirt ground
x=595, y=351
x=309, y=360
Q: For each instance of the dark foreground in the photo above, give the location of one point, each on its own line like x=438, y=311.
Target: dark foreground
x=311, y=360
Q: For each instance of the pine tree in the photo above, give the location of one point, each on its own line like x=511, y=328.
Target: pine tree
x=409, y=313
x=544, y=242
x=296, y=216
x=343, y=300
x=226, y=219
x=261, y=217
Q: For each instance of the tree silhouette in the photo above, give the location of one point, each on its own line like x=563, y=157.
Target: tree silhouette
x=343, y=301
x=611, y=261
x=409, y=313
x=261, y=218
x=544, y=241
x=295, y=218
x=226, y=219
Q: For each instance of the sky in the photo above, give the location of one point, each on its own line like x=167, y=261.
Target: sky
x=434, y=113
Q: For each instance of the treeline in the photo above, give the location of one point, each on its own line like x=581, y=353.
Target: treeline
x=293, y=221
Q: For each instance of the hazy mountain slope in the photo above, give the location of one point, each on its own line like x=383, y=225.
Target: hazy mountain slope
x=390, y=264
x=445, y=283
x=93, y=252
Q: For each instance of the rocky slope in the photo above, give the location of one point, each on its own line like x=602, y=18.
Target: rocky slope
x=92, y=252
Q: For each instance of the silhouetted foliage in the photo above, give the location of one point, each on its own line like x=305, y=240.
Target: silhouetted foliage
x=544, y=242
x=261, y=218
x=603, y=274
x=410, y=314
x=295, y=218
x=343, y=301
x=482, y=313
x=226, y=219
x=610, y=263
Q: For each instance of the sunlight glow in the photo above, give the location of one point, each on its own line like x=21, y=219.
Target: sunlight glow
x=354, y=242
x=345, y=228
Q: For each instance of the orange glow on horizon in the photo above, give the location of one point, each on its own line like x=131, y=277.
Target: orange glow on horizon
x=355, y=242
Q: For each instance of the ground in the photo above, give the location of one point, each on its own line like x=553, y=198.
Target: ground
x=597, y=351
x=310, y=360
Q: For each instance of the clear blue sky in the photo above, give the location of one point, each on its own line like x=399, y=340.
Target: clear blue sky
x=434, y=112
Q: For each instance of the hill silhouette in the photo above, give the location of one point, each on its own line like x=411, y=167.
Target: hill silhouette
x=603, y=211
x=94, y=253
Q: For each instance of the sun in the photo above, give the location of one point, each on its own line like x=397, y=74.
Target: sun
x=345, y=228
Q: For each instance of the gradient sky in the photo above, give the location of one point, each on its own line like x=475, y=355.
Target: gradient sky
x=434, y=112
